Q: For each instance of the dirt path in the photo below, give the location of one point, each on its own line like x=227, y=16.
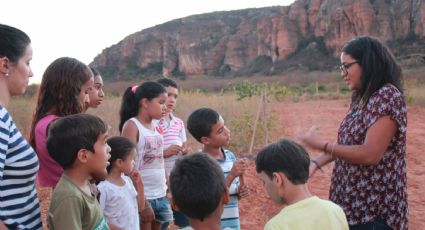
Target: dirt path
x=296, y=118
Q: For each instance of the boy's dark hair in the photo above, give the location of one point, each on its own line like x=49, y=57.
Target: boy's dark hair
x=287, y=157
x=379, y=66
x=133, y=95
x=201, y=121
x=120, y=149
x=68, y=135
x=13, y=43
x=197, y=185
x=167, y=82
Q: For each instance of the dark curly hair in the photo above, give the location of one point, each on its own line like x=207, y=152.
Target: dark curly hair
x=59, y=90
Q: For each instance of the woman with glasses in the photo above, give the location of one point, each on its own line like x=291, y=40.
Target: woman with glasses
x=369, y=176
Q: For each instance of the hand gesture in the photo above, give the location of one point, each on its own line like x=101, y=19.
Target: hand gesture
x=147, y=215
x=312, y=139
x=238, y=168
x=243, y=191
x=312, y=169
x=137, y=180
x=172, y=150
x=186, y=149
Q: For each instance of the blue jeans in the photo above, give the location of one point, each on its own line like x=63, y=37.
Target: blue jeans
x=377, y=224
x=162, y=209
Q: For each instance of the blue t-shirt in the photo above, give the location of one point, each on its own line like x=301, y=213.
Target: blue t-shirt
x=230, y=216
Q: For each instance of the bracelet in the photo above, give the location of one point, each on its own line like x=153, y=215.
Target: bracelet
x=317, y=164
x=332, y=151
x=325, y=148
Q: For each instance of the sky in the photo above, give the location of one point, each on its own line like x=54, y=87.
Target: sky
x=83, y=28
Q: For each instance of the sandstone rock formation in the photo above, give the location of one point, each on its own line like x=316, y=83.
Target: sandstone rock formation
x=236, y=41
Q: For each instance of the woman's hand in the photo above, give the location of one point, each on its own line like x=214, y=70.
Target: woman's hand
x=312, y=169
x=313, y=140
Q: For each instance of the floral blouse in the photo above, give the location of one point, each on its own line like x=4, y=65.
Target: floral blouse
x=366, y=192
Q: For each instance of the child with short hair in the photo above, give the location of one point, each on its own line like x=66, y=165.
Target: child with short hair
x=121, y=194
x=174, y=134
x=140, y=106
x=199, y=190
x=283, y=167
x=78, y=143
x=207, y=127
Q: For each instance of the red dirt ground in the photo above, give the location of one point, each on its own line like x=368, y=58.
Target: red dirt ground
x=297, y=118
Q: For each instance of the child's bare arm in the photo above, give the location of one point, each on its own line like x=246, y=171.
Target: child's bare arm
x=138, y=184
x=113, y=227
x=238, y=169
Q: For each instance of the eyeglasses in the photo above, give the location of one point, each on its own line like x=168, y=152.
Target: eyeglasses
x=345, y=66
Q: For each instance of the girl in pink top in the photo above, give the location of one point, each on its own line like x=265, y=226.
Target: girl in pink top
x=63, y=91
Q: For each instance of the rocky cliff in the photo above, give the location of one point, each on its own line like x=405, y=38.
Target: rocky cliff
x=307, y=34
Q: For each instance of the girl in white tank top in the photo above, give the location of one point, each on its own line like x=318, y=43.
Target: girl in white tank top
x=140, y=105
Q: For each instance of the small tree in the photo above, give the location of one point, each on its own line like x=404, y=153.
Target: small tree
x=264, y=90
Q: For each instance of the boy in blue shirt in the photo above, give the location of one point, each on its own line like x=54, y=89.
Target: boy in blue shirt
x=207, y=127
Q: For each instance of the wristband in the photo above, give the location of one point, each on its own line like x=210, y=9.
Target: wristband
x=317, y=164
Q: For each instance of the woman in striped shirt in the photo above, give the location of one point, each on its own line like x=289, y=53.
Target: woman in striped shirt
x=19, y=206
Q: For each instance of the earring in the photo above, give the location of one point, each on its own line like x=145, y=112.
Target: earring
x=6, y=74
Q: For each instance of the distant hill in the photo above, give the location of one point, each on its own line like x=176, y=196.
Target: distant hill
x=306, y=35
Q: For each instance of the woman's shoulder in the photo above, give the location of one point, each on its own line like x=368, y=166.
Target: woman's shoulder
x=4, y=114
x=389, y=90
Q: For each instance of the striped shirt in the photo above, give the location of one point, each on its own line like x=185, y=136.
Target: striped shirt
x=230, y=216
x=174, y=134
x=19, y=206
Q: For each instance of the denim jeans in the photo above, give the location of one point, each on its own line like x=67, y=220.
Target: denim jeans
x=377, y=224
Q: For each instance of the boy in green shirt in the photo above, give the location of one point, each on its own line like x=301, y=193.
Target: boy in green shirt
x=283, y=167
x=78, y=144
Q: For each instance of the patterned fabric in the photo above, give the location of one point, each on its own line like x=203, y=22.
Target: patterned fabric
x=150, y=161
x=230, y=216
x=369, y=191
x=119, y=203
x=173, y=134
x=19, y=206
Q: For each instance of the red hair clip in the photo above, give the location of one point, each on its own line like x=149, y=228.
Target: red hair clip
x=134, y=88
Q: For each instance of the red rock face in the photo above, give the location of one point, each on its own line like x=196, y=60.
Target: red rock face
x=229, y=41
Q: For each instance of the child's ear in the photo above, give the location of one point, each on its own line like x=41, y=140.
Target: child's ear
x=4, y=65
x=205, y=140
x=174, y=205
x=278, y=179
x=82, y=155
x=144, y=102
x=118, y=162
x=226, y=196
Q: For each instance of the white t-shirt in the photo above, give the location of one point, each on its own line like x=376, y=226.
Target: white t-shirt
x=150, y=161
x=119, y=204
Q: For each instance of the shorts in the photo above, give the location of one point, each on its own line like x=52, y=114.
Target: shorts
x=162, y=209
